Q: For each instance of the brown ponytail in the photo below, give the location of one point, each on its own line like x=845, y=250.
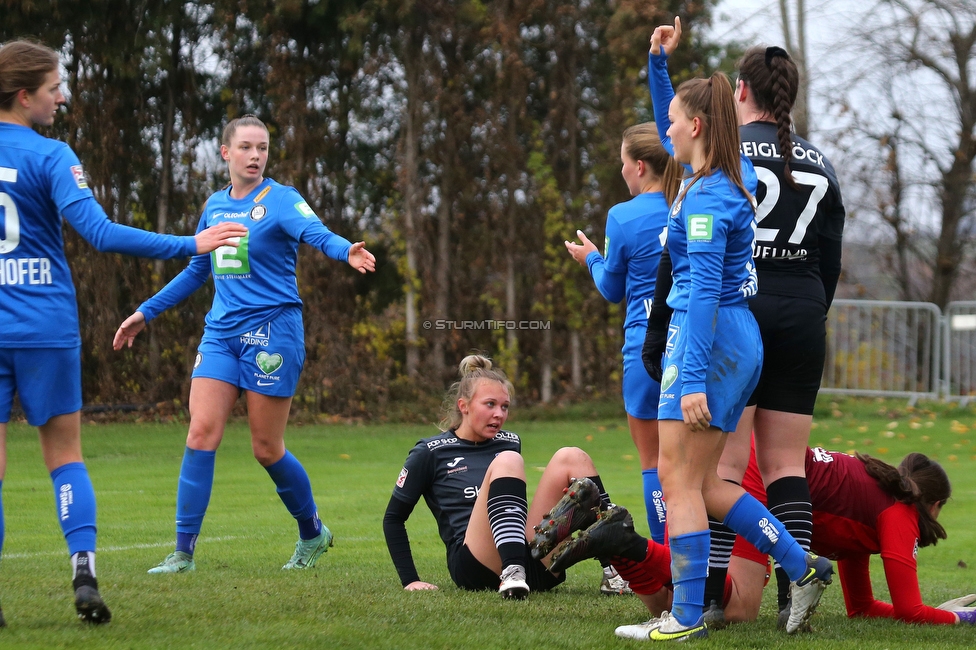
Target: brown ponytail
x=917, y=481
x=711, y=100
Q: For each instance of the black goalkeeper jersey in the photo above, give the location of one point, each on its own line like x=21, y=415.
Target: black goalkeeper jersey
x=447, y=472
x=797, y=247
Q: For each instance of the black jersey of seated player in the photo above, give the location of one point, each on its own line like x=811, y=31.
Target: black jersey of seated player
x=447, y=472
x=791, y=222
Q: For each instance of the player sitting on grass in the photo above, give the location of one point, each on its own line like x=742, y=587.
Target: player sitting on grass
x=472, y=477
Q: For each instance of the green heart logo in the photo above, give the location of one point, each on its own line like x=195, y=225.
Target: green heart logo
x=268, y=363
x=669, y=376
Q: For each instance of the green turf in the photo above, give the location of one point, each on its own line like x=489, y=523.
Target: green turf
x=239, y=597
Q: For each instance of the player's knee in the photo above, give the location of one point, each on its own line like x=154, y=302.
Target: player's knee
x=203, y=436
x=574, y=459
x=267, y=453
x=508, y=463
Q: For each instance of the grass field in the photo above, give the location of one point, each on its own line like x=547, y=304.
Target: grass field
x=239, y=597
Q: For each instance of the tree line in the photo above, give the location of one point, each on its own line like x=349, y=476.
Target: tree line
x=464, y=140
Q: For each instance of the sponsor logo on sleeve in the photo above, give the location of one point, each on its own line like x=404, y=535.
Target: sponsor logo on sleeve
x=79, y=175
x=402, y=478
x=304, y=209
x=700, y=227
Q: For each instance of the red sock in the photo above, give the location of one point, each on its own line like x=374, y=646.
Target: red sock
x=649, y=575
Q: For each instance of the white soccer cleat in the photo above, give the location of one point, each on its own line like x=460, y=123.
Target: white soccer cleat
x=513, y=584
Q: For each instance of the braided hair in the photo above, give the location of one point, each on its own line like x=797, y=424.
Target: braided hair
x=917, y=481
x=774, y=80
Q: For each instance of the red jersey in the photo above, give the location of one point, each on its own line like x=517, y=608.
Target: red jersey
x=853, y=518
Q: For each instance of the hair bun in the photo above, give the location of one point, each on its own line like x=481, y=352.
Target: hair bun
x=472, y=363
x=774, y=51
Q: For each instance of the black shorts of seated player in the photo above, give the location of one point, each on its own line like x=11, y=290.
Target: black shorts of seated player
x=472, y=477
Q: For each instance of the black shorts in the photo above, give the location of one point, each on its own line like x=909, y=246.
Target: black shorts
x=794, y=336
x=468, y=573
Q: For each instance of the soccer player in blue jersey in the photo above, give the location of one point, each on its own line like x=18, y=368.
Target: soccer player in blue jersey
x=797, y=256
x=41, y=183
x=714, y=351
x=472, y=477
x=635, y=234
x=253, y=341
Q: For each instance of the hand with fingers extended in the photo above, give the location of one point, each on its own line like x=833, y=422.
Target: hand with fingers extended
x=227, y=233
x=420, y=585
x=360, y=258
x=666, y=37
x=580, y=251
x=128, y=330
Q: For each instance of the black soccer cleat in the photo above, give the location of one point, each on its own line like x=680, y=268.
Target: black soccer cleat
x=576, y=510
x=88, y=602
x=610, y=536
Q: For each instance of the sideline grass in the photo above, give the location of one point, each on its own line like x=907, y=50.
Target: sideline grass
x=239, y=597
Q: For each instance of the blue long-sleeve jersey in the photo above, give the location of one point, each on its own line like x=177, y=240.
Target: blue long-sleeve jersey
x=256, y=281
x=635, y=235
x=711, y=233
x=40, y=180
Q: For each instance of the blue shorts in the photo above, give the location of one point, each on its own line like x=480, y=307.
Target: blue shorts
x=641, y=393
x=47, y=380
x=734, y=366
x=267, y=360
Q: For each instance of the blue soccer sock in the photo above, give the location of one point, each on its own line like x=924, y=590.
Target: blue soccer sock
x=657, y=511
x=689, y=567
x=750, y=518
x=74, y=498
x=193, y=496
x=295, y=491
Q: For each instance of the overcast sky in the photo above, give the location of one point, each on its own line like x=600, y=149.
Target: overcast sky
x=828, y=31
